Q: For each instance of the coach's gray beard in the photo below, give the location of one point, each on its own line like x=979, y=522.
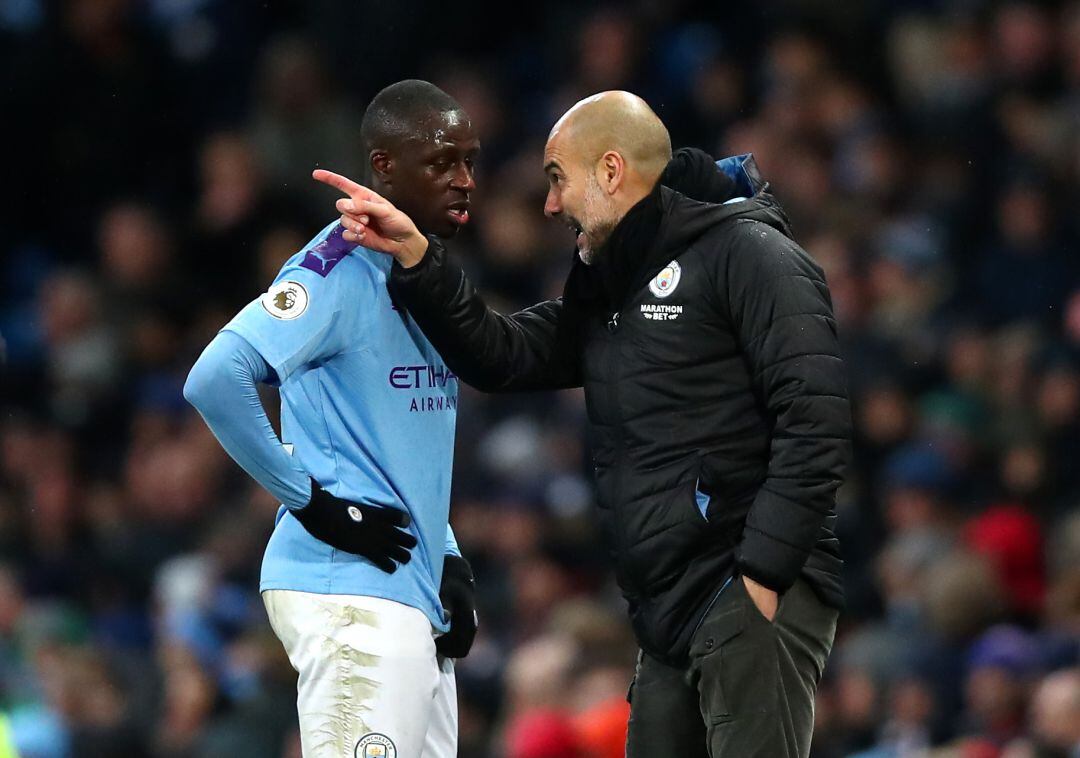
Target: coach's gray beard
x=598, y=215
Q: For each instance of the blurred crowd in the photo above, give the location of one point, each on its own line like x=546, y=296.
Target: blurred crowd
x=156, y=165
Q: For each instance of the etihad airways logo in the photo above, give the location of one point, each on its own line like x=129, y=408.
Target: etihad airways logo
x=426, y=378
x=420, y=377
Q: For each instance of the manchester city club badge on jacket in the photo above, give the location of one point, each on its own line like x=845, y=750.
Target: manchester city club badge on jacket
x=664, y=283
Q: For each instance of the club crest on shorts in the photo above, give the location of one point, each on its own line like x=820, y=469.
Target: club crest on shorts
x=664, y=283
x=375, y=745
x=285, y=300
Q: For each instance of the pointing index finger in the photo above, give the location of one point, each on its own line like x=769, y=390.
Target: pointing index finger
x=346, y=185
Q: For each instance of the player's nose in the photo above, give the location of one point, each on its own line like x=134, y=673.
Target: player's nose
x=464, y=178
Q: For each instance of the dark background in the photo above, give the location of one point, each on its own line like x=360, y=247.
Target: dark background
x=154, y=175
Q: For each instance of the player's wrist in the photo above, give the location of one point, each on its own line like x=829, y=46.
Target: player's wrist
x=317, y=493
x=307, y=512
x=412, y=250
x=456, y=568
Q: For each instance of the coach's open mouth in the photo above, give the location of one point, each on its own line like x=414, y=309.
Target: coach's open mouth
x=579, y=233
x=458, y=212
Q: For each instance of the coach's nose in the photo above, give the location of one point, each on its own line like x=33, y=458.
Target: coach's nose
x=552, y=204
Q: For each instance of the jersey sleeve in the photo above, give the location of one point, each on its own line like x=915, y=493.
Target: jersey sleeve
x=451, y=542
x=307, y=315
x=221, y=386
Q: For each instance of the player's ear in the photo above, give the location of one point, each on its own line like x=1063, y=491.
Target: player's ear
x=381, y=165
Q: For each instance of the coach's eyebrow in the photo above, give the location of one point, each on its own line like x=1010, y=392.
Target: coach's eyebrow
x=551, y=166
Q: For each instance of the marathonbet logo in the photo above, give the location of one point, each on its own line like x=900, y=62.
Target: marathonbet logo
x=660, y=311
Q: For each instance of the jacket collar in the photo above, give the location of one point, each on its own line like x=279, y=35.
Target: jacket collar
x=693, y=195
x=633, y=241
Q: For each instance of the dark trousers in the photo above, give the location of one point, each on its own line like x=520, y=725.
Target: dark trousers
x=748, y=691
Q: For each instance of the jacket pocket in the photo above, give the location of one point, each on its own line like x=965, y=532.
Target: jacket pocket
x=672, y=528
x=702, y=500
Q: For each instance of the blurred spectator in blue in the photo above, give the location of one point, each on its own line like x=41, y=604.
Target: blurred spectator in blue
x=1028, y=274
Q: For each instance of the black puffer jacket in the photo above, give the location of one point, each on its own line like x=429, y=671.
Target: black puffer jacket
x=706, y=344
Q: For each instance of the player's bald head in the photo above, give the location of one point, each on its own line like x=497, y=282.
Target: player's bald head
x=406, y=110
x=615, y=121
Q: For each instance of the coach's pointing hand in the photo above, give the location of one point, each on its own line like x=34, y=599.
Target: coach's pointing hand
x=372, y=220
x=374, y=532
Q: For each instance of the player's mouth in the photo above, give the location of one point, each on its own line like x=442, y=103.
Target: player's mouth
x=458, y=212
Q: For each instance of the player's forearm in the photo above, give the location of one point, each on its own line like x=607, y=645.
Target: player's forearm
x=222, y=387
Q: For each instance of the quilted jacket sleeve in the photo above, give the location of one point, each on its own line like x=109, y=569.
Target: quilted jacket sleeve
x=536, y=348
x=781, y=312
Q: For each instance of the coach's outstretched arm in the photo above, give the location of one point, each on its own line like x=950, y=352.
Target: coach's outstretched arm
x=536, y=348
x=222, y=387
x=533, y=349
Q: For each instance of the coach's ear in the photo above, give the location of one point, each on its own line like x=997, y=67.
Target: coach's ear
x=381, y=165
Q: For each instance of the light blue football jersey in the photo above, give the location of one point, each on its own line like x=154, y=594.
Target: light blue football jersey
x=368, y=409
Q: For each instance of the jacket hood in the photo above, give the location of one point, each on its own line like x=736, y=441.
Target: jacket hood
x=701, y=193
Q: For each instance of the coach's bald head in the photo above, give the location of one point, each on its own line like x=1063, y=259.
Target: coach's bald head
x=619, y=122
x=602, y=157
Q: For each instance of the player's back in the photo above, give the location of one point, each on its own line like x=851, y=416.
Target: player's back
x=368, y=409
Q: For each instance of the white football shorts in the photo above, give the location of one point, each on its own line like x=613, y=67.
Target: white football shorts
x=370, y=684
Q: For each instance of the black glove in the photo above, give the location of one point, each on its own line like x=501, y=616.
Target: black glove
x=374, y=532
x=458, y=596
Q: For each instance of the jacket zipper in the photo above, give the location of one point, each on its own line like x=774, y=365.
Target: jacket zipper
x=612, y=371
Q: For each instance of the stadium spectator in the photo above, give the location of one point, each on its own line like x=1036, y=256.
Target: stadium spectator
x=927, y=151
